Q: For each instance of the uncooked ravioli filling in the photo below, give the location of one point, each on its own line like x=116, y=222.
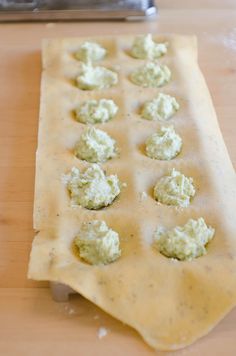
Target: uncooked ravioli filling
x=95, y=146
x=151, y=75
x=90, y=51
x=96, y=111
x=174, y=189
x=97, y=243
x=163, y=107
x=145, y=48
x=165, y=144
x=96, y=77
x=184, y=242
x=92, y=189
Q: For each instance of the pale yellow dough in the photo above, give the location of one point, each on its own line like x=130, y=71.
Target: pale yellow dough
x=170, y=303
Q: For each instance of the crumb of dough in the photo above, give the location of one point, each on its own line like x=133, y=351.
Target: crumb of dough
x=92, y=189
x=102, y=332
x=95, y=146
x=96, y=111
x=97, y=243
x=163, y=107
x=184, y=242
x=142, y=196
x=174, y=189
x=151, y=75
x=96, y=77
x=90, y=52
x=145, y=48
x=165, y=144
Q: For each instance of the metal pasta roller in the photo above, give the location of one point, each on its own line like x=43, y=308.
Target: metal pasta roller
x=50, y=10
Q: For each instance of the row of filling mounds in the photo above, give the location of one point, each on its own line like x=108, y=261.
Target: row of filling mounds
x=89, y=75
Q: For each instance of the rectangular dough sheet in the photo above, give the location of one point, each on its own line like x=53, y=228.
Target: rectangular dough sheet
x=170, y=303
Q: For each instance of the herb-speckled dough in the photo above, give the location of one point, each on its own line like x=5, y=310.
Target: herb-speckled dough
x=170, y=303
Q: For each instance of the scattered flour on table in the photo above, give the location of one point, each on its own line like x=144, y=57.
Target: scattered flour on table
x=70, y=310
x=227, y=39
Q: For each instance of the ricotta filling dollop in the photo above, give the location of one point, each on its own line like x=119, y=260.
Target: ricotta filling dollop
x=163, y=107
x=175, y=189
x=97, y=243
x=151, y=75
x=96, y=77
x=145, y=48
x=165, y=144
x=95, y=146
x=90, y=51
x=96, y=111
x=92, y=189
x=184, y=242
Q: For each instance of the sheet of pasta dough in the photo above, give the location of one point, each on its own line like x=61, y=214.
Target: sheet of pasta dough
x=170, y=303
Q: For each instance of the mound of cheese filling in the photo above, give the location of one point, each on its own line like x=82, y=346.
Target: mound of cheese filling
x=184, y=242
x=97, y=243
x=175, y=189
x=165, y=144
x=96, y=111
x=163, y=107
x=92, y=189
x=95, y=146
x=145, y=48
x=151, y=75
x=90, y=51
x=96, y=77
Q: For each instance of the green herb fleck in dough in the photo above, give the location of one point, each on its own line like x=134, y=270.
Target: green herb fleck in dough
x=163, y=107
x=92, y=189
x=97, y=243
x=96, y=111
x=165, y=144
x=95, y=146
x=175, y=189
x=151, y=75
x=184, y=242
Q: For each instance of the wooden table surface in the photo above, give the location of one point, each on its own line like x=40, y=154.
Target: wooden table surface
x=30, y=322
